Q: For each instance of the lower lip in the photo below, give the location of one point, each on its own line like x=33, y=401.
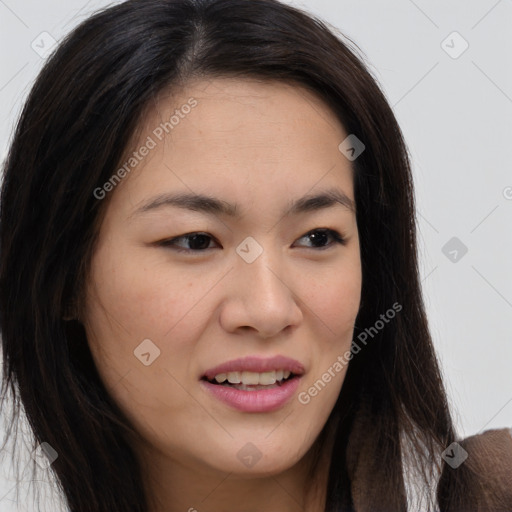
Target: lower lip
x=264, y=400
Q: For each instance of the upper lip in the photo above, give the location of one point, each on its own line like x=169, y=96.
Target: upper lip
x=257, y=365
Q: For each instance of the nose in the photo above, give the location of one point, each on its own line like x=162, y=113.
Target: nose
x=260, y=297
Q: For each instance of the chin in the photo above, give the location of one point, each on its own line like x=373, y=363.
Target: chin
x=249, y=461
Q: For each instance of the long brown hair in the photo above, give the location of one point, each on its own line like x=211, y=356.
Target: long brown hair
x=75, y=126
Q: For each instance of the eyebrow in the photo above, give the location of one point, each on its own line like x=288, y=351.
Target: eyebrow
x=213, y=206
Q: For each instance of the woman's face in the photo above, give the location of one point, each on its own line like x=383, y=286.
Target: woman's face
x=263, y=280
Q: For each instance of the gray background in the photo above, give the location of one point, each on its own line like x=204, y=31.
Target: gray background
x=456, y=115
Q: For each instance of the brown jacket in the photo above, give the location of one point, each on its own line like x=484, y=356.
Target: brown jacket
x=482, y=482
x=489, y=461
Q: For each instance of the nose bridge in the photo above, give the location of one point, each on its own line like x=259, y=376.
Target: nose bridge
x=261, y=269
x=262, y=288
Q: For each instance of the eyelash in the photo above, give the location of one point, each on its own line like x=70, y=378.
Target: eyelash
x=338, y=238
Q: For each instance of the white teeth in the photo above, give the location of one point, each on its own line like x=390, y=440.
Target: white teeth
x=253, y=378
x=249, y=378
x=234, y=377
x=267, y=378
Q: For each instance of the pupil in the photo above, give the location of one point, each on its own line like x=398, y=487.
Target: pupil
x=317, y=237
x=194, y=238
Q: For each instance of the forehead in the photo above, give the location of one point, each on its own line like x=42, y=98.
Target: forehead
x=229, y=136
x=237, y=115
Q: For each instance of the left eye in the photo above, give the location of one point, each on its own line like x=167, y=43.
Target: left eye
x=320, y=235
x=200, y=241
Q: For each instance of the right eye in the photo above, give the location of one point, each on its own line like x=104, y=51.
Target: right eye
x=198, y=241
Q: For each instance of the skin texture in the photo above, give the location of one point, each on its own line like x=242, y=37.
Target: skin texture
x=260, y=145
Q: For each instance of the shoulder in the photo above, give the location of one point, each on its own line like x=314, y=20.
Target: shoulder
x=477, y=473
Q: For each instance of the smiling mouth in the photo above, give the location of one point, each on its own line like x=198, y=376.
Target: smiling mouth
x=244, y=381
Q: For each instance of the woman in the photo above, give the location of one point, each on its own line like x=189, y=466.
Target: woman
x=286, y=362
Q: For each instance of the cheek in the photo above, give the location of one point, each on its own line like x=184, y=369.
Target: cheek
x=132, y=302
x=145, y=298
x=333, y=300
x=137, y=300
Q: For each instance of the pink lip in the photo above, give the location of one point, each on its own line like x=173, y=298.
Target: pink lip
x=264, y=400
x=258, y=365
